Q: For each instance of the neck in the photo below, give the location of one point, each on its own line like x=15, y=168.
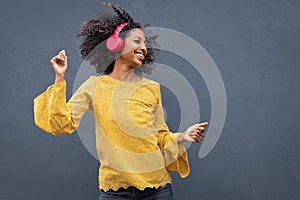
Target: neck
x=124, y=72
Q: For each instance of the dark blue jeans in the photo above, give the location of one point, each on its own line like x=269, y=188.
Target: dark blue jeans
x=132, y=193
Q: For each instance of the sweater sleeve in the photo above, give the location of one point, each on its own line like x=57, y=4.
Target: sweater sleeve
x=56, y=116
x=175, y=155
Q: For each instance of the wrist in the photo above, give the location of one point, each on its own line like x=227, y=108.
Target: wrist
x=59, y=79
x=180, y=138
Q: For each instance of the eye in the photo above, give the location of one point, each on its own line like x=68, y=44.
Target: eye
x=137, y=41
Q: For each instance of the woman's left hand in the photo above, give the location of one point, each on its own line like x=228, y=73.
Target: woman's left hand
x=194, y=133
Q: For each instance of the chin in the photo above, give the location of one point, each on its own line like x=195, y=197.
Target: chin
x=137, y=64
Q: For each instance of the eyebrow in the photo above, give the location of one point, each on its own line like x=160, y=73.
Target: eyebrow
x=139, y=38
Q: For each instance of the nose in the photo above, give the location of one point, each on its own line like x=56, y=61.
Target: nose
x=143, y=48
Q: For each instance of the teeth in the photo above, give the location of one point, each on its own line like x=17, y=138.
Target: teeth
x=140, y=55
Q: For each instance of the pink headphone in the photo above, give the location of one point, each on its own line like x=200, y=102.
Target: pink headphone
x=115, y=43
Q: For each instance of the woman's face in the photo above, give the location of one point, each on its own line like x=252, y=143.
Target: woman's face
x=134, y=50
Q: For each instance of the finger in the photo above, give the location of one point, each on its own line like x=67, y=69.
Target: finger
x=195, y=139
x=52, y=60
x=199, y=138
x=200, y=128
x=203, y=124
x=61, y=56
x=199, y=131
x=190, y=140
x=200, y=135
x=195, y=134
x=57, y=59
x=63, y=53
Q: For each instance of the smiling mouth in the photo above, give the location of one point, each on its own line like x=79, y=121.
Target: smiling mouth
x=140, y=54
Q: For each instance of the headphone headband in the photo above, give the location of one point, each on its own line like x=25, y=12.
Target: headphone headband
x=119, y=28
x=115, y=43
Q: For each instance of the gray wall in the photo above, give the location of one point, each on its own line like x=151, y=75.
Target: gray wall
x=255, y=45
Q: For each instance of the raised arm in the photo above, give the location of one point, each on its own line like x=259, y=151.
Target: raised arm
x=52, y=112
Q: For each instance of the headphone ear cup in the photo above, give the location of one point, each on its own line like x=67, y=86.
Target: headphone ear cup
x=114, y=43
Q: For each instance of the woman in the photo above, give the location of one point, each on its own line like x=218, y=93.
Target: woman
x=135, y=147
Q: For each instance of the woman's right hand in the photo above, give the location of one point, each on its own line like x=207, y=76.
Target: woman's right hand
x=60, y=65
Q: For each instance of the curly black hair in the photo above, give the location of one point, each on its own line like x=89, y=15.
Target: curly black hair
x=98, y=29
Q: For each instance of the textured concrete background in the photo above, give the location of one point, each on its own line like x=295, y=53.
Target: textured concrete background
x=255, y=45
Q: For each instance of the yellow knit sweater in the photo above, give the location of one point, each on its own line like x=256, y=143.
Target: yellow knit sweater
x=134, y=145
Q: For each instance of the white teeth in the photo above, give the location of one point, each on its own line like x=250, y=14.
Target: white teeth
x=140, y=55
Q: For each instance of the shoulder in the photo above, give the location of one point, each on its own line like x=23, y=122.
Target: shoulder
x=89, y=83
x=152, y=82
x=153, y=86
x=91, y=80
